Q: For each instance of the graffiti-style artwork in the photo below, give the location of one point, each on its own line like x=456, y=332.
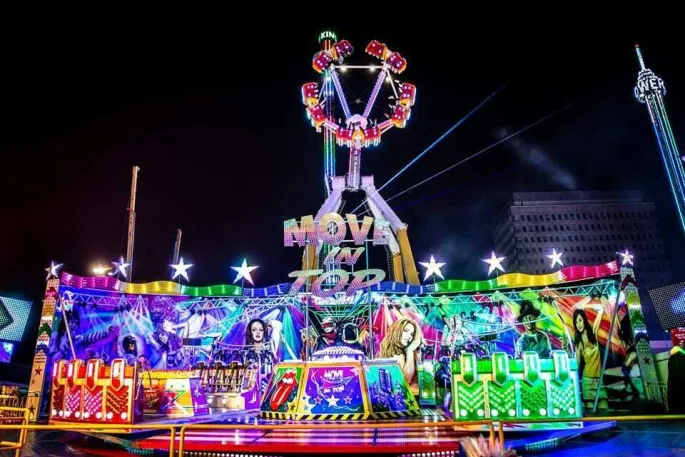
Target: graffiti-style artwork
x=387, y=390
x=281, y=394
x=182, y=332
x=333, y=390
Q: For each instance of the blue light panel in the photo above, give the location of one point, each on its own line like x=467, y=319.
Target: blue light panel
x=13, y=316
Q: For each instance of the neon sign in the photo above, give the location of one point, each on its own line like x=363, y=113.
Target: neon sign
x=332, y=230
x=648, y=83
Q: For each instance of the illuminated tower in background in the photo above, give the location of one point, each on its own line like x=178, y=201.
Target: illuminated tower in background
x=326, y=40
x=650, y=90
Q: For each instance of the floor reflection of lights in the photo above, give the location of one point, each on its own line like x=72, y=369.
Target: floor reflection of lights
x=368, y=437
x=430, y=434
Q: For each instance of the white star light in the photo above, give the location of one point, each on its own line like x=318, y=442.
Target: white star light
x=626, y=258
x=332, y=401
x=244, y=272
x=555, y=257
x=180, y=269
x=53, y=270
x=432, y=268
x=121, y=266
x=494, y=263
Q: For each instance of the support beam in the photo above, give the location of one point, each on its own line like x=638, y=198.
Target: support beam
x=397, y=267
x=411, y=274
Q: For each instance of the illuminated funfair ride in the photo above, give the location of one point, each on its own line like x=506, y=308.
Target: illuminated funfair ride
x=516, y=346
x=356, y=131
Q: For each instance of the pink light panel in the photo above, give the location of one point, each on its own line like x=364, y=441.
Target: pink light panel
x=578, y=273
x=93, y=282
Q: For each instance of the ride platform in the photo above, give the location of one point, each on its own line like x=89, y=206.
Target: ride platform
x=433, y=431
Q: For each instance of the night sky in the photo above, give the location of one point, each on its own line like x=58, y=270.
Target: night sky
x=226, y=152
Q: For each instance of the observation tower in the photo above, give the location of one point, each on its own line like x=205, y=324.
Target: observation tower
x=650, y=90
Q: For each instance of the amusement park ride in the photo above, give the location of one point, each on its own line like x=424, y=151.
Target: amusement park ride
x=357, y=131
x=111, y=351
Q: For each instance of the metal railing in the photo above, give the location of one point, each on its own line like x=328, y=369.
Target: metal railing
x=24, y=428
x=180, y=431
x=501, y=424
x=111, y=428
x=337, y=427
x=12, y=414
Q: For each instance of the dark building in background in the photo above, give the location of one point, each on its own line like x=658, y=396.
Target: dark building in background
x=589, y=227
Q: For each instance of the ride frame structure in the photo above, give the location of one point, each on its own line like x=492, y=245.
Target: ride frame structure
x=356, y=132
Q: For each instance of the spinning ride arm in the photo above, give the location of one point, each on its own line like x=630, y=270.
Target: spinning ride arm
x=357, y=133
x=374, y=93
x=341, y=94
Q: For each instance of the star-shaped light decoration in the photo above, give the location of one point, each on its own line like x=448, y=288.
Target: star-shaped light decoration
x=432, y=268
x=244, y=272
x=180, y=269
x=121, y=266
x=333, y=401
x=53, y=270
x=626, y=258
x=555, y=257
x=494, y=263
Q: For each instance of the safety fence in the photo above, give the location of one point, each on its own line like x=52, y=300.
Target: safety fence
x=11, y=416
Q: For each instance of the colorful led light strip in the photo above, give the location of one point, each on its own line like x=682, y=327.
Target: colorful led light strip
x=506, y=281
x=517, y=280
x=220, y=290
x=93, y=282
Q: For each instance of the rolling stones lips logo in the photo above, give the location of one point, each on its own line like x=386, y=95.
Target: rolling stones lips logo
x=283, y=390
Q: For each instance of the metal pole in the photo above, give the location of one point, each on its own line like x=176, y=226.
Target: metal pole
x=306, y=307
x=368, y=295
x=607, y=350
x=132, y=221
x=177, y=247
x=566, y=330
x=66, y=327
